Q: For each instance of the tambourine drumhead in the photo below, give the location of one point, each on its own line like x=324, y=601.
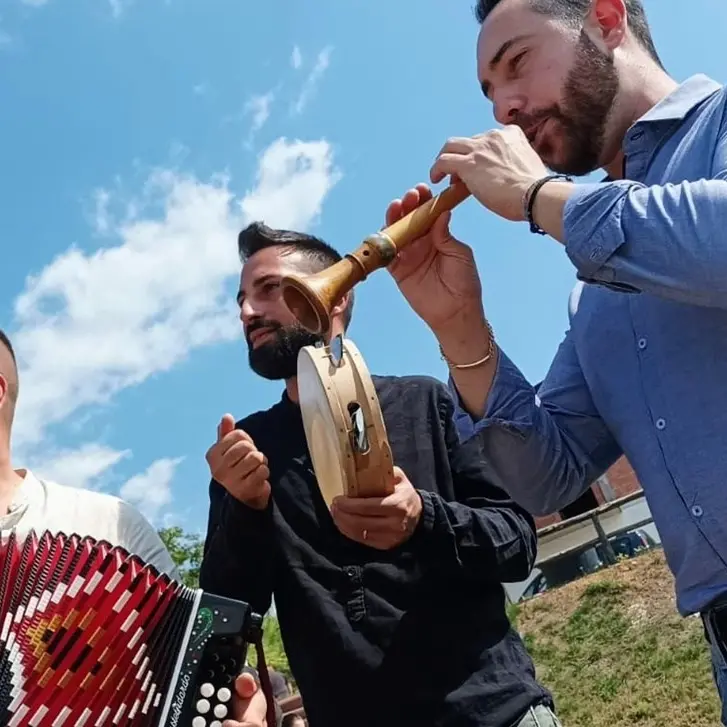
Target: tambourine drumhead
x=343, y=424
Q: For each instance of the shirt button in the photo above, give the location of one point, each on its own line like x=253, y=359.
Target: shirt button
x=660, y=424
x=642, y=343
x=637, y=135
x=697, y=511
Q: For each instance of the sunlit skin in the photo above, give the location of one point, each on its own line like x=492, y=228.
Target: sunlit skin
x=524, y=59
x=260, y=299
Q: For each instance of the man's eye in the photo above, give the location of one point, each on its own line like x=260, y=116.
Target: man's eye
x=515, y=62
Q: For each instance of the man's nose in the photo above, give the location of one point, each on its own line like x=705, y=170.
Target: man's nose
x=248, y=312
x=507, y=106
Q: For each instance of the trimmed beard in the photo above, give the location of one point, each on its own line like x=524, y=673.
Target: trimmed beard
x=589, y=96
x=277, y=358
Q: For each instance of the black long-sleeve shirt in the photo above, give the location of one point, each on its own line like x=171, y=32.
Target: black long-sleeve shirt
x=417, y=635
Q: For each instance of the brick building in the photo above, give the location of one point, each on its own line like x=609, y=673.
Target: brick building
x=620, y=480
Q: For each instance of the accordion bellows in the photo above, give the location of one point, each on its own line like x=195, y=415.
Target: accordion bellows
x=91, y=636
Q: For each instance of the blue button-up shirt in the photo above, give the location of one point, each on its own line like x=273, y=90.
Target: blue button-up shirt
x=642, y=370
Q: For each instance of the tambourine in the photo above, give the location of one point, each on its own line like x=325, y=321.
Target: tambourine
x=343, y=423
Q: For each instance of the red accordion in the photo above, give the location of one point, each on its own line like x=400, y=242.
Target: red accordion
x=91, y=636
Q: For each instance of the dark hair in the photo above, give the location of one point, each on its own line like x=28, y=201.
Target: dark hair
x=258, y=236
x=574, y=11
x=5, y=341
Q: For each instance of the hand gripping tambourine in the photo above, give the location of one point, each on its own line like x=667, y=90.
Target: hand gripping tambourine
x=343, y=424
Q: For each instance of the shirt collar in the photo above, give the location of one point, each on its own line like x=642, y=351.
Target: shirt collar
x=29, y=488
x=674, y=107
x=677, y=105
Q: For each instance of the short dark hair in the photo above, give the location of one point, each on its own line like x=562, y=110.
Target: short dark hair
x=5, y=341
x=258, y=236
x=574, y=11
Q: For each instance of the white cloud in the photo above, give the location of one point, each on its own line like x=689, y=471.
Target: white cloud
x=296, y=59
x=293, y=180
x=151, y=490
x=311, y=82
x=81, y=467
x=102, y=219
x=91, y=324
x=259, y=108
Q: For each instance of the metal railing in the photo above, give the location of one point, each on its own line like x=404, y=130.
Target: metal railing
x=595, y=527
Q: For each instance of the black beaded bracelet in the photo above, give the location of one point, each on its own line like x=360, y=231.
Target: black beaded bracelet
x=529, y=200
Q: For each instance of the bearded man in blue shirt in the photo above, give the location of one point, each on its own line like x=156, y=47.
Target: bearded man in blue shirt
x=577, y=85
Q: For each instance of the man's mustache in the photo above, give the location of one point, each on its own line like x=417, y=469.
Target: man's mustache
x=528, y=121
x=257, y=325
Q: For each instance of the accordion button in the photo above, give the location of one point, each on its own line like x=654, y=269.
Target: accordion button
x=199, y=722
x=203, y=706
x=221, y=711
x=215, y=724
x=207, y=690
x=224, y=694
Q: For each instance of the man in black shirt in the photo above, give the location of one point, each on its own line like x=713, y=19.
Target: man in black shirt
x=391, y=610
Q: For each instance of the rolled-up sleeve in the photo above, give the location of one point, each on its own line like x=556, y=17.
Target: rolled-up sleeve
x=662, y=239
x=546, y=447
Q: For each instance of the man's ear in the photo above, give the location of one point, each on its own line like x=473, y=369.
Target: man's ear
x=3, y=390
x=340, y=306
x=609, y=20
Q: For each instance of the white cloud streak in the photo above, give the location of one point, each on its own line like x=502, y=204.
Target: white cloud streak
x=258, y=107
x=311, y=82
x=83, y=467
x=296, y=59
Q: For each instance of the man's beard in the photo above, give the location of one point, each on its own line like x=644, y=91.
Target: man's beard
x=277, y=358
x=589, y=96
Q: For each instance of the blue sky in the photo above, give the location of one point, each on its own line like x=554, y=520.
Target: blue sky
x=138, y=136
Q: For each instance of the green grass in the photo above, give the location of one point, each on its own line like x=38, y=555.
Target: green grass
x=614, y=652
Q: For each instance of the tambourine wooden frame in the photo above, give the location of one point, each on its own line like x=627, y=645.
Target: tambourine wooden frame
x=323, y=383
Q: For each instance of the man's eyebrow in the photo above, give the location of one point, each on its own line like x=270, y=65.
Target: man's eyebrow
x=497, y=58
x=260, y=281
x=505, y=47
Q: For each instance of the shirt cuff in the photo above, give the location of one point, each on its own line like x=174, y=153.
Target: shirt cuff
x=593, y=230
x=508, y=404
x=240, y=521
x=428, y=516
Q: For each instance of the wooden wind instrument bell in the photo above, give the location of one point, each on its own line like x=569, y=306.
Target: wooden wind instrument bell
x=311, y=297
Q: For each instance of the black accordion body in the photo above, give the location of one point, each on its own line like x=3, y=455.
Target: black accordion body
x=91, y=636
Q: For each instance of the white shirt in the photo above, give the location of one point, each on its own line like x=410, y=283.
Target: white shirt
x=40, y=505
